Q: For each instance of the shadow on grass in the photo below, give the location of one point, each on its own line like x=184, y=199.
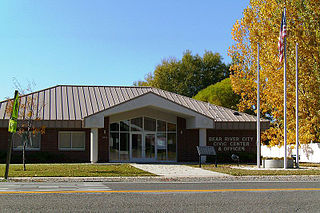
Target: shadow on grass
x=119, y=173
x=107, y=172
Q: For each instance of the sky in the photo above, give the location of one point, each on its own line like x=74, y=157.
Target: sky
x=106, y=42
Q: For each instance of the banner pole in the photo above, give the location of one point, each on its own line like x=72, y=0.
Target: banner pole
x=8, y=156
x=12, y=128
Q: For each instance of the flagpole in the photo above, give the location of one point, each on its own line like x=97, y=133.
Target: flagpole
x=285, y=101
x=297, y=110
x=258, y=109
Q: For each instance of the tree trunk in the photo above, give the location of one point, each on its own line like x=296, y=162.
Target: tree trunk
x=24, y=156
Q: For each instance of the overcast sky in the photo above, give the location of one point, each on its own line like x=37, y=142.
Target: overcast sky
x=106, y=42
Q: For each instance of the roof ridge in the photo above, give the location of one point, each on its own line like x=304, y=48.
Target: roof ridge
x=199, y=100
x=31, y=93
x=182, y=96
x=65, y=85
x=69, y=85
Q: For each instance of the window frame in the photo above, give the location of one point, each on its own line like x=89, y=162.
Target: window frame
x=71, y=148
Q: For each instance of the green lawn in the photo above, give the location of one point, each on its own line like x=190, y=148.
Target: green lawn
x=227, y=169
x=73, y=170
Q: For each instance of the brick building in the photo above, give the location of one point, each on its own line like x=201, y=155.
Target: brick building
x=129, y=124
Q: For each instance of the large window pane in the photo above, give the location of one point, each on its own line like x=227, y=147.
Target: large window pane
x=136, y=145
x=172, y=153
x=172, y=127
x=114, y=127
x=34, y=143
x=36, y=140
x=136, y=124
x=78, y=140
x=161, y=126
x=65, y=140
x=124, y=125
x=149, y=124
x=72, y=140
x=17, y=141
x=161, y=146
x=114, y=147
x=124, y=146
x=149, y=145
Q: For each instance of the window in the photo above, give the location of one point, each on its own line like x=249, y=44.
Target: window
x=161, y=126
x=172, y=127
x=114, y=127
x=172, y=143
x=114, y=146
x=161, y=146
x=136, y=124
x=33, y=145
x=72, y=140
x=124, y=126
x=124, y=146
x=149, y=124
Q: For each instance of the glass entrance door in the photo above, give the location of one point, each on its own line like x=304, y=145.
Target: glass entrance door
x=136, y=146
x=143, y=139
x=142, y=146
x=149, y=142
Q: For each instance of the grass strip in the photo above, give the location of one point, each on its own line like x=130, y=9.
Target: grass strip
x=74, y=170
x=227, y=169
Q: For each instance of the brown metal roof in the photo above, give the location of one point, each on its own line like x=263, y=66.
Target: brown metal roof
x=65, y=102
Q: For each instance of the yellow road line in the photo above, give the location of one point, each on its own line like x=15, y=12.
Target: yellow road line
x=161, y=191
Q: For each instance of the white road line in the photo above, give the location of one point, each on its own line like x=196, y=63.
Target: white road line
x=47, y=187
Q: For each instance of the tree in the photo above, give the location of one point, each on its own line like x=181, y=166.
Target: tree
x=220, y=94
x=260, y=24
x=189, y=75
x=28, y=119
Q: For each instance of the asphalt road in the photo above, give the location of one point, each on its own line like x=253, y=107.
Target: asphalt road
x=161, y=197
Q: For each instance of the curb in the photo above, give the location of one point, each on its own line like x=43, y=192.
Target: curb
x=291, y=178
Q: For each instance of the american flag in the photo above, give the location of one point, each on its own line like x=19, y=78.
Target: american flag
x=282, y=35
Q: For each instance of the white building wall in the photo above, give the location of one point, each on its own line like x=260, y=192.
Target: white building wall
x=308, y=152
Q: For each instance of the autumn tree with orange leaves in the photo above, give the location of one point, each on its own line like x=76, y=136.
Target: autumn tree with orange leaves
x=261, y=24
x=28, y=125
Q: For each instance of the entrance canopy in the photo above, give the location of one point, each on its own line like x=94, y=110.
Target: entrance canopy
x=153, y=101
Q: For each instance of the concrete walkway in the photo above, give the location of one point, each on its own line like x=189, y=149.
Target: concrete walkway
x=177, y=170
x=51, y=187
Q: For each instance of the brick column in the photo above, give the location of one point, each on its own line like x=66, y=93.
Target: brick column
x=187, y=140
x=103, y=142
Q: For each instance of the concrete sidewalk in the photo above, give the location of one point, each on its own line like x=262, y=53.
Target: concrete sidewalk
x=173, y=171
